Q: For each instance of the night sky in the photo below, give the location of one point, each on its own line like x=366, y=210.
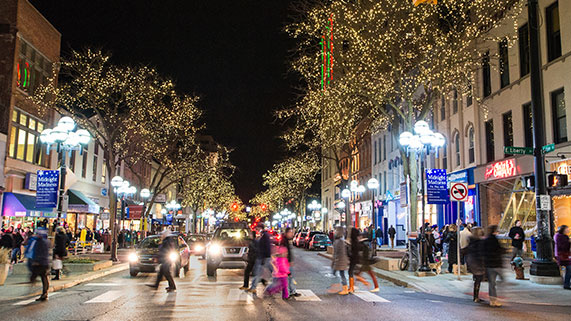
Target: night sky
x=233, y=54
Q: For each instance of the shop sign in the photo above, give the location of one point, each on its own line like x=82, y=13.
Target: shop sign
x=31, y=181
x=403, y=195
x=47, y=189
x=134, y=212
x=161, y=198
x=436, y=186
x=501, y=169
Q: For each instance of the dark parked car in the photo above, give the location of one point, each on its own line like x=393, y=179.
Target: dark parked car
x=228, y=248
x=197, y=244
x=144, y=257
x=309, y=237
x=319, y=242
x=300, y=240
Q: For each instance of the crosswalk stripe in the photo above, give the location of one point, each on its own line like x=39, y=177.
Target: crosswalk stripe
x=369, y=297
x=102, y=284
x=306, y=295
x=26, y=302
x=239, y=295
x=106, y=297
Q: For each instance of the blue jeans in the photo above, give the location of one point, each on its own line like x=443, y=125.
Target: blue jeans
x=492, y=273
x=15, y=253
x=342, y=275
x=567, y=279
x=258, y=270
x=380, y=241
x=290, y=281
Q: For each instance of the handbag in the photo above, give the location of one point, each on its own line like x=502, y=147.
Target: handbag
x=57, y=264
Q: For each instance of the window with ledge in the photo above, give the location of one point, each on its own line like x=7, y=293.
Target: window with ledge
x=457, y=148
x=553, y=31
x=471, y=153
x=490, y=149
x=528, y=125
x=559, y=116
x=25, y=142
x=444, y=158
x=442, y=108
x=504, y=63
x=523, y=41
x=508, y=130
x=486, y=76
x=95, y=157
x=454, y=102
x=469, y=99
x=33, y=69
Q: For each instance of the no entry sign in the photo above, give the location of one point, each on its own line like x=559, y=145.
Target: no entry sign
x=459, y=192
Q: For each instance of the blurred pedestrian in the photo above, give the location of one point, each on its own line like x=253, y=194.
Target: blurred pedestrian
x=444, y=243
x=452, y=241
x=354, y=248
x=166, y=248
x=17, y=240
x=379, y=236
x=252, y=255
x=60, y=251
x=288, y=236
x=392, y=233
x=340, y=260
x=6, y=240
x=475, y=260
x=264, y=252
x=366, y=263
x=280, y=270
x=562, y=253
x=37, y=254
x=518, y=237
x=465, y=235
x=493, y=262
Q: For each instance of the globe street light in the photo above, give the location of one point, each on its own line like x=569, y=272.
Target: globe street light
x=315, y=207
x=422, y=142
x=64, y=139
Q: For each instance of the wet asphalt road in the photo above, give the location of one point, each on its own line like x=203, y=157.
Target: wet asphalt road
x=120, y=297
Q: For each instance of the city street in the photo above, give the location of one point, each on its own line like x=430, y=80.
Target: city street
x=120, y=297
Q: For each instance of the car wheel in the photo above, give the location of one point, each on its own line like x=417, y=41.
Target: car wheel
x=210, y=270
x=133, y=272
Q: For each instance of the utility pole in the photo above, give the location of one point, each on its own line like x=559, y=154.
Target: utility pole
x=543, y=265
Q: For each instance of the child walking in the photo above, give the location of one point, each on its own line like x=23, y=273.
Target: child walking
x=281, y=270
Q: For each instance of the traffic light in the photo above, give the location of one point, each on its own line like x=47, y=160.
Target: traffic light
x=557, y=180
x=417, y=2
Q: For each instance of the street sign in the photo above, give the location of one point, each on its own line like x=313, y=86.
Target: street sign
x=459, y=192
x=548, y=148
x=47, y=189
x=436, y=186
x=518, y=150
x=403, y=195
x=544, y=203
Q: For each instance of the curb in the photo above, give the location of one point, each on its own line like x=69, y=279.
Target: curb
x=54, y=288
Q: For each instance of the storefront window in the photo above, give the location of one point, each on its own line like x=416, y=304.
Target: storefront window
x=24, y=138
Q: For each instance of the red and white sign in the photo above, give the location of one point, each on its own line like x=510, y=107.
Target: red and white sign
x=459, y=192
x=501, y=169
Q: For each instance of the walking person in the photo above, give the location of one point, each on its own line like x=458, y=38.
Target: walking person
x=60, y=251
x=518, y=237
x=493, y=262
x=392, y=233
x=166, y=247
x=264, y=251
x=452, y=241
x=288, y=236
x=354, y=254
x=340, y=260
x=280, y=273
x=379, y=236
x=475, y=260
x=252, y=255
x=562, y=253
x=37, y=254
x=465, y=235
x=17, y=240
x=366, y=263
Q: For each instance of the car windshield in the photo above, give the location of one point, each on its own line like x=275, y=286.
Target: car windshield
x=320, y=237
x=150, y=243
x=232, y=234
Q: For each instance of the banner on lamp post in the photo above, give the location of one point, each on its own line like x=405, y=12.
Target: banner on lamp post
x=436, y=186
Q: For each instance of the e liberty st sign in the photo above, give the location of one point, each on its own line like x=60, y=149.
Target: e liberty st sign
x=436, y=186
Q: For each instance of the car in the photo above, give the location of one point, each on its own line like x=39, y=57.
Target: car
x=197, y=244
x=228, y=248
x=319, y=242
x=300, y=240
x=144, y=257
x=309, y=237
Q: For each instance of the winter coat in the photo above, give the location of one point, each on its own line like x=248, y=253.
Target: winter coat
x=465, y=236
x=41, y=253
x=379, y=233
x=340, y=259
x=252, y=249
x=562, y=249
x=353, y=252
x=492, y=252
x=365, y=254
x=281, y=262
x=517, y=243
x=168, y=245
x=392, y=232
x=452, y=240
x=7, y=241
x=60, y=245
x=475, y=257
x=264, y=246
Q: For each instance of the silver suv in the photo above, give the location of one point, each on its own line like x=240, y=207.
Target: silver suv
x=228, y=248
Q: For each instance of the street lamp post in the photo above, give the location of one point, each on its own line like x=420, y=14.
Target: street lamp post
x=345, y=193
x=313, y=206
x=421, y=143
x=145, y=195
x=65, y=140
x=121, y=188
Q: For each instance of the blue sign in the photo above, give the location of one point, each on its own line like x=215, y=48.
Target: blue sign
x=47, y=189
x=436, y=186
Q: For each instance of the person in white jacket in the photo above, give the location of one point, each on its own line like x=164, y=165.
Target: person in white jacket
x=465, y=236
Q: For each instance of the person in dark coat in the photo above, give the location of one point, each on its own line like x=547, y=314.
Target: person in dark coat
x=392, y=232
x=167, y=246
x=252, y=255
x=475, y=260
x=6, y=241
x=493, y=262
x=264, y=251
x=452, y=241
x=379, y=236
x=366, y=263
x=39, y=261
x=60, y=249
x=518, y=237
x=562, y=253
x=288, y=237
x=354, y=248
x=17, y=239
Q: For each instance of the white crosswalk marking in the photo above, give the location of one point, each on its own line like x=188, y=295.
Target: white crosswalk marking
x=106, y=297
x=306, y=295
x=369, y=297
x=239, y=295
x=26, y=302
x=103, y=284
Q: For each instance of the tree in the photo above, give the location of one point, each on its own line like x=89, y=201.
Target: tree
x=390, y=62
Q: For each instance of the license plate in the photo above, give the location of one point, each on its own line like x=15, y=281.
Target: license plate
x=233, y=250
x=322, y=246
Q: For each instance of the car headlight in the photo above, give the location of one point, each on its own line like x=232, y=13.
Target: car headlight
x=215, y=249
x=133, y=257
x=173, y=256
x=198, y=248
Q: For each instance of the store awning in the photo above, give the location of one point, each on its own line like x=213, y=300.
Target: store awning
x=78, y=202
x=23, y=205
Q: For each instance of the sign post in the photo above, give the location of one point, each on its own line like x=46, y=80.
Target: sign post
x=458, y=193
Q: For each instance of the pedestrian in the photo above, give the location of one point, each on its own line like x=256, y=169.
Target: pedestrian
x=444, y=244
x=475, y=260
x=340, y=260
x=264, y=252
x=17, y=240
x=6, y=240
x=430, y=244
x=452, y=241
x=166, y=247
x=280, y=270
x=120, y=239
x=331, y=236
x=37, y=254
x=518, y=237
x=252, y=255
x=392, y=233
x=465, y=235
x=366, y=263
x=60, y=251
x=562, y=253
x=493, y=262
x=288, y=236
x=379, y=236
x=354, y=248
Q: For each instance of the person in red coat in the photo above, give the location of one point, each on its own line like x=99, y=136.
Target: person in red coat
x=562, y=253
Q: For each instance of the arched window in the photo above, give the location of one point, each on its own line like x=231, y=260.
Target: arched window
x=471, y=144
x=457, y=148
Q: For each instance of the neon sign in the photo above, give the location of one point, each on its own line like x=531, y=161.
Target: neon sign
x=501, y=169
x=327, y=55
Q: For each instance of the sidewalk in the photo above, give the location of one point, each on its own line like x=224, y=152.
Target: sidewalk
x=18, y=286
x=511, y=291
